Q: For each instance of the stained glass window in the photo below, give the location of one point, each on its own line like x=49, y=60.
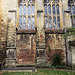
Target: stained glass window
x=58, y=20
x=49, y=9
x=24, y=9
x=53, y=9
x=33, y=9
x=71, y=7
x=29, y=10
x=52, y=14
x=57, y=10
x=20, y=10
x=50, y=22
x=33, y=22
x=24, y=22
x=46, y=22
x=54, y=22
x=20, y=23
x=27, y=14
x=45, y=9
x=29, y=23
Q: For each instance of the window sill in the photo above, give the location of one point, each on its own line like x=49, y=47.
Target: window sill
x=54, y=31
x=24, y=31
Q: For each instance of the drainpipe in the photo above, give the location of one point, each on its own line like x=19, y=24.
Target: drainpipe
x=66, y=50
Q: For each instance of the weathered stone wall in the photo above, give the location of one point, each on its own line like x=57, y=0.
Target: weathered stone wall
x=26, y=48
x=54, y=43
x=11, y=31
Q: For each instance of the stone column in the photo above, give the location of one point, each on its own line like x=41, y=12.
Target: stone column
x=73, y=56
x=67, y=18
x=40, y=32
x=67, y=24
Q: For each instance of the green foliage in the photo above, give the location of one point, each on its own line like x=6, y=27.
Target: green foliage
x=71, y=31
x=57, y=59
x=43, y=65
x=42, y=72
x=74, y=16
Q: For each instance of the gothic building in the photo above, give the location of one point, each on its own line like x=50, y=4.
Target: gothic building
x=30, y=28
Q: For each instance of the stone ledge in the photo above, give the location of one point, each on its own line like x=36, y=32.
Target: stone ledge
x=54, y=31
x=26, y=31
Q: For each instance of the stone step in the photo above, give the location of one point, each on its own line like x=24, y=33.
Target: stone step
x=15, y=69
x=41, y=59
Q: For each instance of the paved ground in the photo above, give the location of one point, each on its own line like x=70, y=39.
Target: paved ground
x=30, y=69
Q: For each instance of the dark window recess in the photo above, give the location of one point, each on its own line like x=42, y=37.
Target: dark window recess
x=21, y=37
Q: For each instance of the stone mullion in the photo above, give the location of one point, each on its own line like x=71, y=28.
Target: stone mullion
x=22, y=15
x=31, y=15
x=52, y=13
x=61, y=14
x=56, y=13
x=72, y=15
x=48, y=15
x=26, y=15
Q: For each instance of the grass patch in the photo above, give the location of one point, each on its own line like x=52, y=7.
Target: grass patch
x=42, y=72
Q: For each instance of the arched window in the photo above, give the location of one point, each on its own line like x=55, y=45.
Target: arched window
x=71, y=7
x=58, y=21
x=50, y=22
x=53, y=9
x=57, y=9
x=45, y=8
x=52, y=14
x=27, y=14
x=46, y=22
x=54, y=22
x=49, y=9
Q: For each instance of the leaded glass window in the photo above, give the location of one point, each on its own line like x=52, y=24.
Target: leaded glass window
x=52, y=14
x=53, y=9
x=57, y=9
x=27, y=14
x=45, y=9
x=71, y=7
x=49, y=9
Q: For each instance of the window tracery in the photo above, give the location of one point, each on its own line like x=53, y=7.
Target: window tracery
x=52, y=14
x=71, y=7
x=27, y=14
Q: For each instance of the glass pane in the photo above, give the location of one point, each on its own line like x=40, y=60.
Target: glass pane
x=58, y=20
x=33, y=22
x=74, y=22
x=20, y=10
x=57, y=10
x=29, y=10
x=20, y=23
x=33, y=10
x=46, y=22
x=45, y=9
x=69, y=9
x=29, y=23
x=54, y=22
x=20, y=19
x=53, y=9
x=24, y=9
x=73, y=9
x=50, y=22
x=24, y=22
x=49, y=9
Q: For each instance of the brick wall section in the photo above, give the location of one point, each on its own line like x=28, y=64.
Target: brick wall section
x=50, y=54
x=54, y=43
x=26, y=57
x=26, y=46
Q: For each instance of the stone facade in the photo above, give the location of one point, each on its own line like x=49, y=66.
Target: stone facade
x=31, y=46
